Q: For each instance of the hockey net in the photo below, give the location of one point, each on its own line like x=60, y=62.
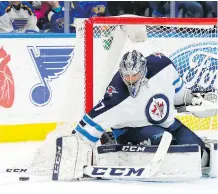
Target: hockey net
x=100, y=43
x=190, y=43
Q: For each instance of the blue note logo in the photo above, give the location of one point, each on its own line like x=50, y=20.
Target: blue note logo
x=50, y=62
x=197, y=64
x=19, y=24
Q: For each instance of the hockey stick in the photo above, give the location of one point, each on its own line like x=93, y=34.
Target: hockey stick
x=109, y=172
x=130, y=172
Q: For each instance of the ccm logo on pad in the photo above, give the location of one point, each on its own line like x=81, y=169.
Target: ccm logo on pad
x=16, y=170
x=57, y=159
x=132, y=172
x=133, y=148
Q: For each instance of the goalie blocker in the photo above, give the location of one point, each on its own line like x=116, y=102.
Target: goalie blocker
x=179, y=162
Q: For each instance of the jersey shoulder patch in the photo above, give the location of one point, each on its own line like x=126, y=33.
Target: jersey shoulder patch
x=155, y=63
x=116, y=92
x=116, y=86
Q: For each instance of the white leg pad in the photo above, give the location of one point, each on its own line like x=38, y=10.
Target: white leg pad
x=213, y=166
x=178, y=165
x=72, y=154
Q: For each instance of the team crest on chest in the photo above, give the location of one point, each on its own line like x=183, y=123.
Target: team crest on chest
x=157, y=109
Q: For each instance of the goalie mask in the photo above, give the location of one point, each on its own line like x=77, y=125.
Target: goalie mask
x=133, y=71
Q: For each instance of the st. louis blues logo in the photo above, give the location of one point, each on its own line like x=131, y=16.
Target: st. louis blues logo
x=19, y=24
x=60, y=23
x=198, y=66
x=157, y=109
x=50, y=63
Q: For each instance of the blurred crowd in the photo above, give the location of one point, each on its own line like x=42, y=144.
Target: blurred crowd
x=49, y=16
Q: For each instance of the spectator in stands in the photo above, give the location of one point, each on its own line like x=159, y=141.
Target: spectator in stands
x=160, y=8
x=140, y=8
x=40, y=10
x=188, y=9
x=78, y=9
x=209, y=8
x=214, y=8
x=17, y=16
x=185, y=9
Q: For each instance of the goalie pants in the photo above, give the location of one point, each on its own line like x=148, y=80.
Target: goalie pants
x=181, y=135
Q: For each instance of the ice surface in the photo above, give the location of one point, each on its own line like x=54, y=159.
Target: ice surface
x=20, y=155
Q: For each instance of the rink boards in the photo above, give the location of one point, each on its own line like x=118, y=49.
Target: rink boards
x=36, y=95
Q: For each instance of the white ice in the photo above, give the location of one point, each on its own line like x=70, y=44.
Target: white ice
x=20, y=154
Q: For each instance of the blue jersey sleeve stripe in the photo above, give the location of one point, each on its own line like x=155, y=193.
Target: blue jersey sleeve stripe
x=176, y=81
x=86, y=134
x=92, y=123
x=179, y=88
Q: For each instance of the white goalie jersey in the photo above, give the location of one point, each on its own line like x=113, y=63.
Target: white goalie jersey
x=18, y=19
x=153, y=106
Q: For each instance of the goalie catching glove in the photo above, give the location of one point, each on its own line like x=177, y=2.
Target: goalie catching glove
x=197, y=99
x=201, y=105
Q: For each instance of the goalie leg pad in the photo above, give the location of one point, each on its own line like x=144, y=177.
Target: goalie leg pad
x=213, y=160
x=182, y=162
x=212, y=169
x=72, y=154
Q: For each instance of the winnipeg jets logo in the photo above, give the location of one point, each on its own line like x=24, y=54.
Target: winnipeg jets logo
x=157, y=109
x=158, y=55
x=50, y=63
x=111, y=90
